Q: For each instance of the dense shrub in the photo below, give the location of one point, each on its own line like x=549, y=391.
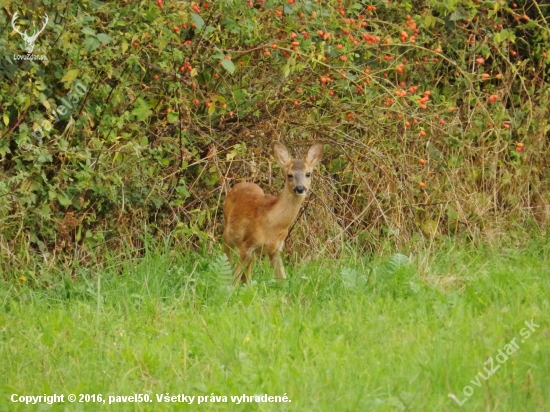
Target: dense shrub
x=434, y=114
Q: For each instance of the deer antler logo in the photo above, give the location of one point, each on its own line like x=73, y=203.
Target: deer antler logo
x=29, y=40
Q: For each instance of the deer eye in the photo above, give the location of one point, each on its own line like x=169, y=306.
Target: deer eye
x=308, y=174
x=290, y=176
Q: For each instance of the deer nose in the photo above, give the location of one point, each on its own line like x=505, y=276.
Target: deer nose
x=299, y=190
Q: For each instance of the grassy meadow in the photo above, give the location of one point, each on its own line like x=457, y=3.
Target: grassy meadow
x=355, y=334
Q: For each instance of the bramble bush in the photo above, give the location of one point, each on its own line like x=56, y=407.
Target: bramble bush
x=434, y=114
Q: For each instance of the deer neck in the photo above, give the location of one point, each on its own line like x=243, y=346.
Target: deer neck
x=285, y=209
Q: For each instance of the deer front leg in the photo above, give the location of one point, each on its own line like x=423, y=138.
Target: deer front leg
x=278, y=267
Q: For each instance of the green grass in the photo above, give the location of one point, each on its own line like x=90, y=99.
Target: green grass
x=348, y=335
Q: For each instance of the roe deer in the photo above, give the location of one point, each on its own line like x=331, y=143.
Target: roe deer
x=256, y=223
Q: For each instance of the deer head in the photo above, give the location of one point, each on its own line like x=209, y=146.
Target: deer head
x=298, y=171
x=28, y=40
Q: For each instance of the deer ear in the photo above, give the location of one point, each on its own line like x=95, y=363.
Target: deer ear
x=281, y=154
x=314, y=154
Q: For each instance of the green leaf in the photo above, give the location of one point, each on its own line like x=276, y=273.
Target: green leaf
x=44, y=157
x=211, y=109
x=503, y=35
x=91, y=44
x=429, y=21
x=459, y=14
x=239, y=96
x=286, y=70
x=173, y=117
x=141, y=110
x=89, y=31
x=228, y=65
x=69, y=77
x=103, y=38
x=163, y=42
x=199, y=22
x=6, y=118
x=64, y=200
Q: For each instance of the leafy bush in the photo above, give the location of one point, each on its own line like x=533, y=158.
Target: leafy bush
x=435, y=116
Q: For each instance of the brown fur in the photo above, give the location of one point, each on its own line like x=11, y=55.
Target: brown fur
x=256, y=223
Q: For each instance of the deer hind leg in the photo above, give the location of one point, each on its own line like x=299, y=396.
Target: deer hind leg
x=227, y=251
x=248, y=271
x=244, y=266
